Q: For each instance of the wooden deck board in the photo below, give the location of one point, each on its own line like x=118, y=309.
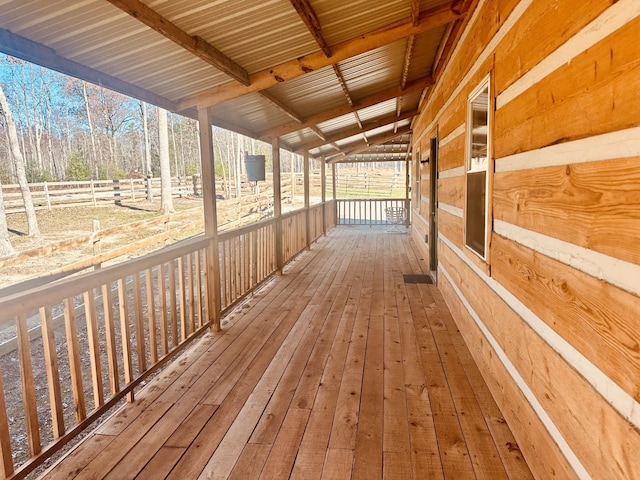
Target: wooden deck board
x=337, y=369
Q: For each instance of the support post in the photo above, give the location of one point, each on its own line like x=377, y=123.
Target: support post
x=277, y=200
x=407, y=202
x=210, y=216
x=334, y=182
x=306, y=197
x=323, y=193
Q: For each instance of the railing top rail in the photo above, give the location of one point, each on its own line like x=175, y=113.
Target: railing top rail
x=245, y=229
x=370, y=199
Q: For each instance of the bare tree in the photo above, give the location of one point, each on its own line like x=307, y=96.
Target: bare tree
x=165, y=164
x=147, y=149
x=32, y=220
x=5, y=243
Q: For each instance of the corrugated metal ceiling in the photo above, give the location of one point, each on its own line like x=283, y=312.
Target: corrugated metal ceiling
x=255, y=34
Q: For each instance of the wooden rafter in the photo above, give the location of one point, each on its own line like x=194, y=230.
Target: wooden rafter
x=343, y=83
x=310, y=19
x=193, y=44
x=379, y=140
x=415, y=11
x=374, y=99
x=33, y=52
x=269, y=77
x=358, y=120
x=408, y=56
x=350, y=132
x=319, y=134
x=281, y=106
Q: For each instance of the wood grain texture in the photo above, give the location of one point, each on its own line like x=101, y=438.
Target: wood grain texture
x=542, y=29
x=451, y=191
x=594, y=205
x=555, y=383
x=451, y=154
x=603, y=80
x=333, y=371
x=599, y=320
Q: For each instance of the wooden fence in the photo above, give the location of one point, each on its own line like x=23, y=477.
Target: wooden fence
x=120, y=324
x=46, y=195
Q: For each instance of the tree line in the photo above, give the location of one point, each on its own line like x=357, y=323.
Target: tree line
x=54, y=127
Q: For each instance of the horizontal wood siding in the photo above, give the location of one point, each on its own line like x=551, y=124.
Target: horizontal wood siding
x=551, y=316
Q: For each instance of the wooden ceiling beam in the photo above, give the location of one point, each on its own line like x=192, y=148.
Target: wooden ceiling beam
x=379, y=140
x=310, y=19
x=365, y=102
x=350, y=132
x=281, y=106
x=343, y=83
x=193, y=44
x=429, y=19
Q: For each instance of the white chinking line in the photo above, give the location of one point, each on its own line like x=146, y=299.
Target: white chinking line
x=456, y=211
x=517, y=12
x=520, y=382
x=622, y=274
x=611, y=20
x=607, y=146
x=619, y=399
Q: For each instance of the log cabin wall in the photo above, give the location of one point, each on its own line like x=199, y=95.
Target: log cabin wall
x=551, y=311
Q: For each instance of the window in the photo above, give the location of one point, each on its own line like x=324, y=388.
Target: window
x=477, y=169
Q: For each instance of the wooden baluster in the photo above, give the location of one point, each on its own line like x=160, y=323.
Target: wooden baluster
x=125, y=335
x=6, y=460
x=198, y=287
x=183, y=300
x=162, y=298
x=174, y=310
x=28, y=386
x=151, y=316
x=112, y=358
x=254, y=257
x=74, y=359
x=224, y=287
x=94, y=348
x=190, y=294
x=206, y=286
x=140, y=337
x=53, y=374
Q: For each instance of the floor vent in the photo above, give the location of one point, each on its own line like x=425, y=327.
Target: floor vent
x=411, y=278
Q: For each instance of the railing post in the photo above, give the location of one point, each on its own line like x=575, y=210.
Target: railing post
x=306, y=198
x=277, y=200
x=334, y=183
x=323, y=193
x=407, y=202
x=210, y=216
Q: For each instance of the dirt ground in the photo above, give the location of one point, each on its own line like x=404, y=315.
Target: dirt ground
x=64, y=223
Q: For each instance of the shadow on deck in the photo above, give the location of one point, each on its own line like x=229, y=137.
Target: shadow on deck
x=336, y=369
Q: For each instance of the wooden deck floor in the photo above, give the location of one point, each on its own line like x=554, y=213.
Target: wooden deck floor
x=338, y=369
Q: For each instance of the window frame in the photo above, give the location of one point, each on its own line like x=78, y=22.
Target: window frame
x=470, y=169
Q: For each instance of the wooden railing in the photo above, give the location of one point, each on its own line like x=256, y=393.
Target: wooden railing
x=366, y=211
x=135, y=316
x=316, y=228
x=247, y=258
x=85, y=342
x=294, y=234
